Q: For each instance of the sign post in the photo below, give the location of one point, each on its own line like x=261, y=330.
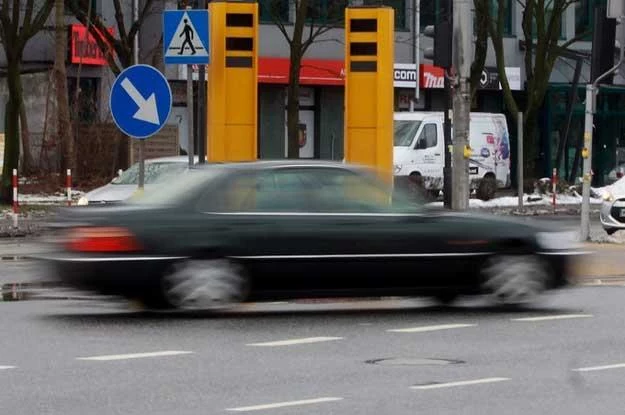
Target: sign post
x=140, y=101
x=186, y=42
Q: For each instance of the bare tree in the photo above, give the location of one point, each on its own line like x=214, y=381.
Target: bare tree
x=116, y=47
x=313, y=19
x=64, y=129
x=542, y=24
x=20, y=20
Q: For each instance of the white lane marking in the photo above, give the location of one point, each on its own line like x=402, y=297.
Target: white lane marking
x=283, y=404
x=460, y=383
x=135, y=355
x=595, y=368
x=6, y=367
x=431, y=328
x=296, y=341
x=558, y=317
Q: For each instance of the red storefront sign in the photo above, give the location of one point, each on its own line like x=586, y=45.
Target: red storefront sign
x=84, y=48
x=312, y=72
x=331, y=72
x=432, y=77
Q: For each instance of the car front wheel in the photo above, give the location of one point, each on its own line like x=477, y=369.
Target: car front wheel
x=514, y=279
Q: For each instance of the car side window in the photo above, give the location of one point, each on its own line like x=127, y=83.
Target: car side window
x=342, y=191
x=428, y=137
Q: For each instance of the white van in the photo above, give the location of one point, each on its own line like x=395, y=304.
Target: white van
x=419, y=152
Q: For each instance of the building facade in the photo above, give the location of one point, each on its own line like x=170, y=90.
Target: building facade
x=322, y=98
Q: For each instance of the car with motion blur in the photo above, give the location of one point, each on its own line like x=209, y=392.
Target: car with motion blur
x=222, y=234
x=125, y=184
x=612, y=213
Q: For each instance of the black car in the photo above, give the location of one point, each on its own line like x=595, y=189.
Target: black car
x=274, y=230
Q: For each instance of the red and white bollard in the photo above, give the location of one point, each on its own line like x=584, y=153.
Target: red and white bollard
x=16, y=205
x=554, y=182
x=68, y=185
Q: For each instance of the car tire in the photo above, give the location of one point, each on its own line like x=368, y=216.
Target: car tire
x=514, y=279
x=611, y=231
x=487, y=188
x=210, y=284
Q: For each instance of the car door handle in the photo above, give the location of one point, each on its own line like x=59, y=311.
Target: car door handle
x=437, y=154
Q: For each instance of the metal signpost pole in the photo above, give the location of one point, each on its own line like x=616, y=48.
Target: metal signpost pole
x=591, y=96
x=190, y=123
x=135, y=51
x=201, y=104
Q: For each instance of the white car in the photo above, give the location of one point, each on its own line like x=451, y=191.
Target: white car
x=612, y=213
x=125, y=184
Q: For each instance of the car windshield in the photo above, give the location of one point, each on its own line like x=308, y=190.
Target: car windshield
x=405, y=131
x=171, y=189
x=154, y=172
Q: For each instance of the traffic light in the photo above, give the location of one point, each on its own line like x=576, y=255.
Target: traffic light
x=442, y=33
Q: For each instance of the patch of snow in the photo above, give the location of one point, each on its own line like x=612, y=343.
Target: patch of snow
x=44, y=199
x=528, y=200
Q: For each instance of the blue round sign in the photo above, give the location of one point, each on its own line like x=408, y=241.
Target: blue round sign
x=140, y=101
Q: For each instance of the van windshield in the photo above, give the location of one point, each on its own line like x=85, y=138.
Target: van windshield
x=405, y=131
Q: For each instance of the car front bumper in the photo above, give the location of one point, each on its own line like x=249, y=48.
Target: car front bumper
x=606, y=217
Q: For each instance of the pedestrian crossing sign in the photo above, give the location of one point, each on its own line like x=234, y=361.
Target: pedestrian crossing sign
x=186, y=37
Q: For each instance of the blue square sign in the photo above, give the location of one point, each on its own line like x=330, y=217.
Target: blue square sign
x=186, y=37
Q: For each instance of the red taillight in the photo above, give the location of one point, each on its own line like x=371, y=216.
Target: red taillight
x=619, y=174
x=105, y=239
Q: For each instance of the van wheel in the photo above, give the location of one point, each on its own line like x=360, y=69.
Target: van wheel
x=487, y=187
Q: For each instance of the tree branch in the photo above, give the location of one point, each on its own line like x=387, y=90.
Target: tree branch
x=121, y=24
x=140, y=19
x=28, y=14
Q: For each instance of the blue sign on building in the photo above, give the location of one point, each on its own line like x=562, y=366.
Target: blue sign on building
x=140, y=101
x=186, y=37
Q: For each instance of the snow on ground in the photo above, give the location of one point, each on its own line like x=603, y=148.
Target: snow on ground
x=528, y=200
x=43, y=199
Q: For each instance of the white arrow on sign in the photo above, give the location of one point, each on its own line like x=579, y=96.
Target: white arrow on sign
x=147, y=111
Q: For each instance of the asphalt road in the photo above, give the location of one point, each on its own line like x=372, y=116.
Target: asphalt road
x=77, y=357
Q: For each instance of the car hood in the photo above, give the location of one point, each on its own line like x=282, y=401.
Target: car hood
x=112, y=193
x=499, y=224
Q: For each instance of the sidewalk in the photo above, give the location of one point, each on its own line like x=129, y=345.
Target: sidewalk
x=607, y=261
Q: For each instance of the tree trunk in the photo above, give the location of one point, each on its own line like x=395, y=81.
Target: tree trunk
x=12, y=138
x=64, y=130
x=28, y=164
x=530, y=143
x=292, y=108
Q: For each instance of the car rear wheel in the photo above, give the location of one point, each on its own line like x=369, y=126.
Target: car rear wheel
x=212, y=284
x=514, y=279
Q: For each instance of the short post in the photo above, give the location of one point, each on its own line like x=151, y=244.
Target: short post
x=554, y=183
x=68, y=185
x=16, y=205
x=519, y=164
x=15, y=200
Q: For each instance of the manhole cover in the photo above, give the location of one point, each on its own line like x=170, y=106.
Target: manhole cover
x=413, y=361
